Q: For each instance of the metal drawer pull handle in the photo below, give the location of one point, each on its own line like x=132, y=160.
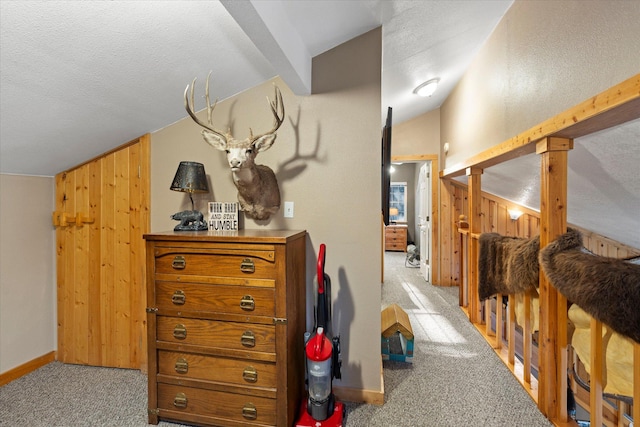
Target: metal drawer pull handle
x=179, y=263
x=182, y=366
x=247, y=266
x=180, y=332
x=180, y=401
x=250, y=374
x=248, y=339
x=178, y=297
x=247, y=303
x=249, y=411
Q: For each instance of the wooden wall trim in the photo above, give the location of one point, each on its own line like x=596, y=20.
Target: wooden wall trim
x=26, y=368
x=614, y=106
x=415, y=158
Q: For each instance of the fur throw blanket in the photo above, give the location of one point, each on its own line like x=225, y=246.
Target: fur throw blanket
x=507, y=265
x=606, y=288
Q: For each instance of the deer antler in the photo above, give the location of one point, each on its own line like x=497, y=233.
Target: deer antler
x=189, y=107
x=277, y=108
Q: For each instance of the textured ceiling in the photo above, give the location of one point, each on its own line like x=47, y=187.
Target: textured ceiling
x=78, y=79
x=81, y=78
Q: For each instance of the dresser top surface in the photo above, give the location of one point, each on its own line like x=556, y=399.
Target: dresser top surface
x=264, y=236
x=397, y=226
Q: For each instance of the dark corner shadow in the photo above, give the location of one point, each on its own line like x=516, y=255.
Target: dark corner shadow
x=343, y=317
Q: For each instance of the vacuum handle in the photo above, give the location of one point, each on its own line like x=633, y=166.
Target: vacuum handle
x=322, y=311
x=321, y=257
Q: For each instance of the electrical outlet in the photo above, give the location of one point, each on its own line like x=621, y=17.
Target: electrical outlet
x=288, y=209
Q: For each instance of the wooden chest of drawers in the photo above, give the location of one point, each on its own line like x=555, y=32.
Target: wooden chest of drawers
x=226, y=316
x=395, y=238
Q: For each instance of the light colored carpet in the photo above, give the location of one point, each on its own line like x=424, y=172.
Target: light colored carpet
x=455, y=379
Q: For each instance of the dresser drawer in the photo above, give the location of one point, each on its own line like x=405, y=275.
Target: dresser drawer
x=250, y=264
x=220, y=369
x=209, y=403
x=212, y=333
x=228, y=299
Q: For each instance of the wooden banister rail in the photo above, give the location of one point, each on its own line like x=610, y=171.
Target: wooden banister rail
x=614, y=106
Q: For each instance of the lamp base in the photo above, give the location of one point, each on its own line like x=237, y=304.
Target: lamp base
x=189, y=221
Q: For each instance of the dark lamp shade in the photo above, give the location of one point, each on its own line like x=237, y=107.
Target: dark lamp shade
x=190, y=178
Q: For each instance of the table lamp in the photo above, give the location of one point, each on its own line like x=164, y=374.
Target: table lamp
x=190, y=178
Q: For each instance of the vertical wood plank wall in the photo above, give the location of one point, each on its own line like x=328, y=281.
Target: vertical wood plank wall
x=102, y=211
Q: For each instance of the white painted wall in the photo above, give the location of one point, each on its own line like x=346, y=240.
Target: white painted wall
x=27, y=269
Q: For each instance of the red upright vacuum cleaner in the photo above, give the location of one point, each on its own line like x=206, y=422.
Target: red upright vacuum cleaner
x=321, y=409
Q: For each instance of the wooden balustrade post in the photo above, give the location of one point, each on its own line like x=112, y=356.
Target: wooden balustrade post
x=596, y=356
x=552, y=361
x=475, y=227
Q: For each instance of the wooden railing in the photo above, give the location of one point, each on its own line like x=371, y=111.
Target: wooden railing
x=552, y=140
x=514, y=342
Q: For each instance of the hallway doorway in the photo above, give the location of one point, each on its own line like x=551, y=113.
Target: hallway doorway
x=423, y=224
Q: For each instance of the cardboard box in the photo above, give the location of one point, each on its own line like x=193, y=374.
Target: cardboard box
x=397, y=335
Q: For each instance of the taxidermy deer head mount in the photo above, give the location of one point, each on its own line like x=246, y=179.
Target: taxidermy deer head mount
x=258, y=191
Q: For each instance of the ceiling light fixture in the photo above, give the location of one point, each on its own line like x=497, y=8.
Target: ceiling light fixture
x=427, y=88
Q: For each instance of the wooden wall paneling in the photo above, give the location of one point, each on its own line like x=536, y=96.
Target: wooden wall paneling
x=447, y=247
x=81, y=268
x=122, y=259
x=60, y=258
x=68, y=294
x=435, y=222
x=95, y=326
x=107, y=260
x=456, y=269
x=139, y=155
x=102, y=211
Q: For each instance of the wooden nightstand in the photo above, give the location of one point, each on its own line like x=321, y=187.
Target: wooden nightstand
x=395, y=237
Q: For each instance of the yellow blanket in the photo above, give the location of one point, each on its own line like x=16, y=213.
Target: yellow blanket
x=618, y=370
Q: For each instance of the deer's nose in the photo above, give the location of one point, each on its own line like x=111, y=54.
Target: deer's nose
x=234, y=163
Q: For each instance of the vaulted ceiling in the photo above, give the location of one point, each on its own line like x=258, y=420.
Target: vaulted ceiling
x=80, y=78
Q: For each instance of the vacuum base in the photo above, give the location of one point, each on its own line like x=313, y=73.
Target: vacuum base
x=334, y=420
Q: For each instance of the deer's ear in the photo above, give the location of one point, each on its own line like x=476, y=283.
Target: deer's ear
x=264, y=142
x=214, y=140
